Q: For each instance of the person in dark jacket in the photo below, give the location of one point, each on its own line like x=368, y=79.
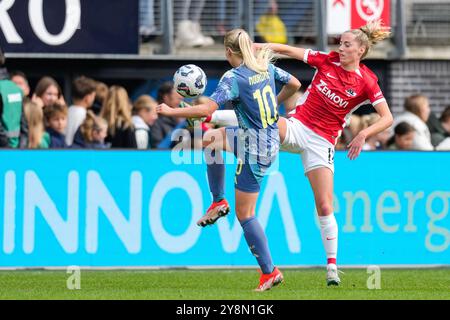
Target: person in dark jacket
x=56, y=123
x=439, y=127
x=116, y=111
x=165, y=125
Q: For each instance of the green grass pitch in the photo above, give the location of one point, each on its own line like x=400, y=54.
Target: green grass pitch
x=234, y=284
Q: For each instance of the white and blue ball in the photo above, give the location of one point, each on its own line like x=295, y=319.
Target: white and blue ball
x=190, y=81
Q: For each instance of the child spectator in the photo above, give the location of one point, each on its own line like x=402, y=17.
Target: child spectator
x=375, y=142
x=417, y=112
x=94, y=131
x=47, y=92
x=117, y=112
x=144, y=116
x=37, y=137
x=56, y=122
x=403, y=137
x=83, y=95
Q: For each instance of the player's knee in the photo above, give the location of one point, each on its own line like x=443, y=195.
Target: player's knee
x=324, y=207
x=243, y=213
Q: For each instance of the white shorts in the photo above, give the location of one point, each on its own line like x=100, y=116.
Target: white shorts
x=315, y=150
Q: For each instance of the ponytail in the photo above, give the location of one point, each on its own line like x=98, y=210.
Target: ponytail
x=240, y=44
x=370, y=34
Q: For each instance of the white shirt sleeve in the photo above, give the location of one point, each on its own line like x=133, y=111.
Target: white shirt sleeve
x=142, y=139
x=75, y=119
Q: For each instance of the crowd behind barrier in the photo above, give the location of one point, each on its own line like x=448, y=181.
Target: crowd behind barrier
x=102, y=117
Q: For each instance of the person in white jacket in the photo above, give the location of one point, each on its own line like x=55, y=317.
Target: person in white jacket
x=144, y=116
x=83, y=96
x=417, y=111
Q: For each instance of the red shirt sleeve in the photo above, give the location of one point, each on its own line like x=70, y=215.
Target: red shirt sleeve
x=315, y=58
x=374, y=93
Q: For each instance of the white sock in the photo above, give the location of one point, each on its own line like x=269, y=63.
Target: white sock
x=224, y=118
x=329, y=232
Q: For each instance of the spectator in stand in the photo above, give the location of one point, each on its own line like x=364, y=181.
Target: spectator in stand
x=144, y=116
x=48, y=92
x=13, y=126
x=56, y=122
x=403, y=137
x=20, y=79
x=38, y=138
x=377, y=141
x=101, y=92
x=417, y=112
x=146, y=20
x=117, y=113
x=94, y=131
x=165, y=125
x=83, y=95
x=189, y=33
x=440, y=130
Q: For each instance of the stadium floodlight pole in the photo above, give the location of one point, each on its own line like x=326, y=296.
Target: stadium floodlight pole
x=321, y=25
x=401, y=47
x=248, y=18
x=168, y=23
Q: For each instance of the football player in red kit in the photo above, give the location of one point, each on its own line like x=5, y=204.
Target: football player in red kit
x=340, y=85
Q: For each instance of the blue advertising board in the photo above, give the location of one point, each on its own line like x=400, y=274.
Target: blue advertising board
x=131, y=208
x=70, y=26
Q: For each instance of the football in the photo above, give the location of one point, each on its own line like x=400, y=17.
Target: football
x=190, y=81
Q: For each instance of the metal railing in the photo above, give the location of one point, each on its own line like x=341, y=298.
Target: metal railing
x=413, y=22
x=428, y=22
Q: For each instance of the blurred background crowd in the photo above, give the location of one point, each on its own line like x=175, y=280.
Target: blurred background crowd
x=96, y=115
x=100, y=116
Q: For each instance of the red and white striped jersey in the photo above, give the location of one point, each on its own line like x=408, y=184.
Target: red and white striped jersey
x=334, y=94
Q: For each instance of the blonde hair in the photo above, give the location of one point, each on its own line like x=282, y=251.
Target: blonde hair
x=91, y=124
x=144, y=102
x=240, y=44
x=35, y=119
x=370, y=34
x=369, y=119
x=116, y=110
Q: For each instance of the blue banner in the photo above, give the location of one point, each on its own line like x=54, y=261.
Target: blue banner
x=70, y=26
x=131, y=208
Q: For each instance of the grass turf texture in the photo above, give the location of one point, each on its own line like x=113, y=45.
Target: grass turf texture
x=223, y=285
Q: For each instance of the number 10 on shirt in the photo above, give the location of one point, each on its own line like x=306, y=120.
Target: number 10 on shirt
x=263, y=96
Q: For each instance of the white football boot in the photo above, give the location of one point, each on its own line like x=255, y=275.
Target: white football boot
x=332, y=275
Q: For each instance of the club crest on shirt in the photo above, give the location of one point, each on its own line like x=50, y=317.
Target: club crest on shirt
x=350, y=93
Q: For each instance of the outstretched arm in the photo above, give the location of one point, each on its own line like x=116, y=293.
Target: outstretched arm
x=382, y=124
x=290, y=51
x=198, y=111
